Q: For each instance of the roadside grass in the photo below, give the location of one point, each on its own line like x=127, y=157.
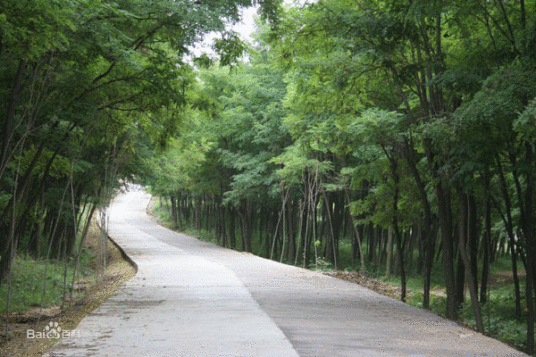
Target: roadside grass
x=163, y=214
x=498, y=313
x=36, y=282
x=202, y=234
x=94, y=283
x=28, y=282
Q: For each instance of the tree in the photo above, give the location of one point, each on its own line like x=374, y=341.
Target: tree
x=80, y=82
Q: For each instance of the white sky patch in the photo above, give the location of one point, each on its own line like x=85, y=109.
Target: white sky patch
x=244, y=28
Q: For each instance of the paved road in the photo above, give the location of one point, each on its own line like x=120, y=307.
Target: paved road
x=191, y=298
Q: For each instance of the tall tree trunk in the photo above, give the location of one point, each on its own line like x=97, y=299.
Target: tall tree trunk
x=472, y=239
x=445, y=222
x=291, y=230
x=174, y=213
x=528, y=231
x=486, y=240
x=372, y=243
x=357, y=238
x=426, y=226
x=464, y=231
x=303, y=207
x=398, y=235
x=222, y=219
x=232, y=227
x=400, y=249
x=389, y=254
x=247, y=222
x=525, y=203
x=508, y=222
x=331, y=251
x=37, y=236
x=461, y=277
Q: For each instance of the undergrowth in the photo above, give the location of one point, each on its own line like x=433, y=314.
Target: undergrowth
x=28, y=281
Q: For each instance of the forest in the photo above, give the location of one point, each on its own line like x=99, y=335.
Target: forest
x=400, y=130
x=89, y=88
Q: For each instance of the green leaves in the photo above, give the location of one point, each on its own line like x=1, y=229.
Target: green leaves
x=230, y=48
x=91, y=90
x=378, y=126
x=35, y=27
x=525, y=124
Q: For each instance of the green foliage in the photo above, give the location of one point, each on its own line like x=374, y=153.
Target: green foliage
x=230, y=48
x=321, y=265
x=377, y=115
x=91, y=92
x=525, y=124
x=499, y=313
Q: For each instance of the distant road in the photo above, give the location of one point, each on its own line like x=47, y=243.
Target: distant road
x=191, y=298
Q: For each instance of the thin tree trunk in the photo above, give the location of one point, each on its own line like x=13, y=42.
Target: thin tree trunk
x=445, y=221
x=472, y=238
x=389, y=254
x=528, y=230
x=508, y=222
x=486, y=240
x=464, y=231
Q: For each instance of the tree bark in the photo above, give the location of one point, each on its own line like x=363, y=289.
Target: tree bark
x=426, y=226
x=528, y=232
x=389, y=254
x=486, y=240
x=508, y=222
x=464, y=231
x=445, y=222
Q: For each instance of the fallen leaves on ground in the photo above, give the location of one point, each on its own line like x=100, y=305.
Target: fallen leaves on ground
x=379, y=286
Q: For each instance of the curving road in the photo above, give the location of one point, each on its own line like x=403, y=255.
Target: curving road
x=191, y=298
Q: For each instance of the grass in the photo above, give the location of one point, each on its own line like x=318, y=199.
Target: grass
x=499, y=316
x=164, y=216
x=28, y=280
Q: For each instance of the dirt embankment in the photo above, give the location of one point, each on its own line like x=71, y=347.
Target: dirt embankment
x=379, y=286
x=93, y=289
x=393, y=291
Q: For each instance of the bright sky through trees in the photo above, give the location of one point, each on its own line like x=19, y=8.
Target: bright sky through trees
x=245, y=28
x=247, y=25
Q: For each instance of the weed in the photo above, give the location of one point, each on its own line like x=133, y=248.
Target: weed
x=321, y=265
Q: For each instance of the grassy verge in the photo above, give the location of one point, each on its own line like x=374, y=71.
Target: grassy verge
x=30, y=288
x=94, y=284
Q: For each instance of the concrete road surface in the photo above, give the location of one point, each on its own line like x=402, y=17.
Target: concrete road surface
x=191, y=298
